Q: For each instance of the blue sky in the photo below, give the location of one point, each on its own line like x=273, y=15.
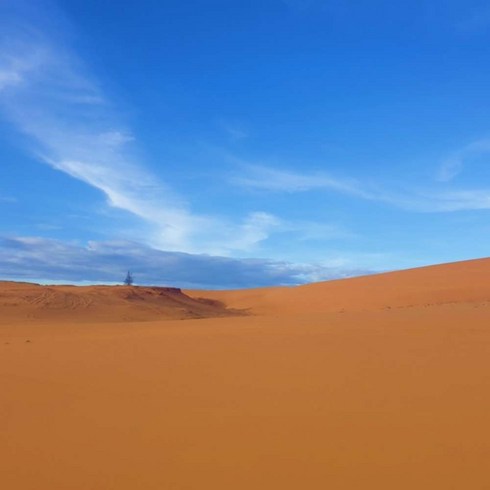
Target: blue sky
x=226, y=143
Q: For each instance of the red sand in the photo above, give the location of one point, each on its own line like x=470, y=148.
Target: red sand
x=381, y=382
x=24, y=302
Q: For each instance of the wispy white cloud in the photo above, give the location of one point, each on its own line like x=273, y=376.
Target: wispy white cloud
x=50, y=96
x=8, y=199
x=439, y=198
x=234, y=130
x=478, y=20
x=278, y=180
x=311, y=230
x=460, y=200
x=454, y=164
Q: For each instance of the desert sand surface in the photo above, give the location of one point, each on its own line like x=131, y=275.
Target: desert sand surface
x=380, y=382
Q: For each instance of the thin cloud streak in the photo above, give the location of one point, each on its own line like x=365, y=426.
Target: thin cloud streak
x=476, y=22
x=422, y=200
x=455, y=164
x=275, y=180
x=235, y=131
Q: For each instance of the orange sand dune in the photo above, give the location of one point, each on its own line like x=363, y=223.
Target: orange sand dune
x=448, y=283
x=393, y=392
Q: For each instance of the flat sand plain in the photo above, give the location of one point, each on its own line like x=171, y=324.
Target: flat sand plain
x=380, y=382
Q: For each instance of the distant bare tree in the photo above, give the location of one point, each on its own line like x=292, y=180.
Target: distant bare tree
x=129, y=281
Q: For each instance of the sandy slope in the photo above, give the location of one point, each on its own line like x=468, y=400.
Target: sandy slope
x=368, y=398
x=447, y=283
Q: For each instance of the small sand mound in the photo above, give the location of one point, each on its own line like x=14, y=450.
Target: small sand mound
x=24, y=301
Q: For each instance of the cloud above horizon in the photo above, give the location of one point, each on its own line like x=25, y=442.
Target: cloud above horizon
x=51, y=97
x=454, y=165
x=278, y=180
x=35, y=259
x=423, y=199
